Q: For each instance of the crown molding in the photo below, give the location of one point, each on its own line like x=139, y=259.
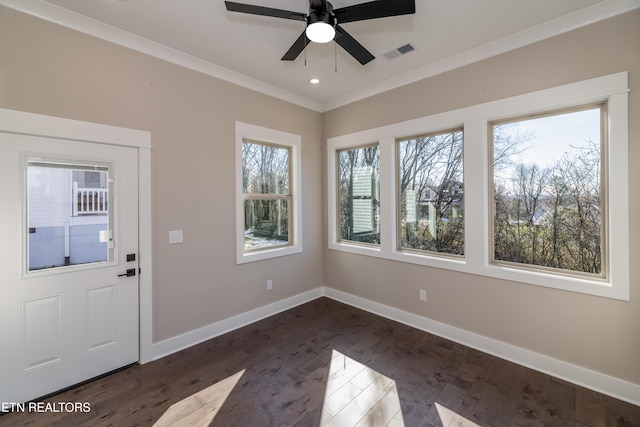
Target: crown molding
x=563, y=24
x=52, y=13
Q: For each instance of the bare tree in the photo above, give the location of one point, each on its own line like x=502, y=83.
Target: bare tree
x=430, y=178
x=265, y=180
x=551, y=217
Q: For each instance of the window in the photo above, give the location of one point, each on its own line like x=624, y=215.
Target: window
x=549, y=208
x=430, y=187
x=359, y=194
x=268, y=184
x=541, y=197
x=68, y=222
x=265, y=189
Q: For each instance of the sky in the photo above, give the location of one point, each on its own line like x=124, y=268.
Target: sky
x=555, y=135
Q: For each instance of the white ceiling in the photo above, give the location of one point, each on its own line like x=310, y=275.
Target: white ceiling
x=246, y=49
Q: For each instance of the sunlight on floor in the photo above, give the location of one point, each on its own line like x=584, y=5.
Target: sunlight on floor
x=199, y=409
x=356, y=395
x=450, y=418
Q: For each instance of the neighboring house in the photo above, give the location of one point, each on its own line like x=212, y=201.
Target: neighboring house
x=542, y=215
x=545, y=211
x=67, y=210
x=449, y=197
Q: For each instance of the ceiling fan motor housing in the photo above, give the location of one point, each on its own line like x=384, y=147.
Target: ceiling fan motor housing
x=321, y=22
x=321, y=12
x=316, y=16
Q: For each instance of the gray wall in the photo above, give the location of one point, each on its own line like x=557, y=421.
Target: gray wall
x=48, y=69
x=593, y=332
x=51, y=70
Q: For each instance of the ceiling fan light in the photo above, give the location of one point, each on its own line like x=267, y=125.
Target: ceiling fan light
x=320, y=32
x=320, y=28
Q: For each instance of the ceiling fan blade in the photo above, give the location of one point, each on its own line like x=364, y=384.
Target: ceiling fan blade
x=352, y=46
x=264, y=11
x=374, y=9
x=296, y=48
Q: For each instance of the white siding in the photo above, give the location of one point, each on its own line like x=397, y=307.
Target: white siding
x=49, y=193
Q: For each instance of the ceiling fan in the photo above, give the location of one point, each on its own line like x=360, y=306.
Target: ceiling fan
x=323, y=22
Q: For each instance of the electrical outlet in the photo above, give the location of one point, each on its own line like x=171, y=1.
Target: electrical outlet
x=269, y=285
x=175, y=236
x=423, y=295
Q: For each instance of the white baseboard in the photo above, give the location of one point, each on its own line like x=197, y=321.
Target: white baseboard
x=601, y=383
x=587, y=378
x=188, y=339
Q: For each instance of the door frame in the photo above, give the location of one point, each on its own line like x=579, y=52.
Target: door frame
x=24, y=123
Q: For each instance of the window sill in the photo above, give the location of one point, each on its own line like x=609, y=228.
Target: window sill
x=567, y=282
x=246, y=257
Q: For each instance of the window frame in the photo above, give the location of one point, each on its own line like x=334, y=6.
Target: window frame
x=270, y=197
x=474, y=120
x=277, y=138
x=604, y=171
x=398, y=202
x=373, y=197
x=69, y=165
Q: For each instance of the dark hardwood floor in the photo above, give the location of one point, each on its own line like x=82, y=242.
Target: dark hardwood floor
x=328, y=363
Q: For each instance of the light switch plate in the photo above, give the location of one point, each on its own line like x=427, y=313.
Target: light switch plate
x=175, y=236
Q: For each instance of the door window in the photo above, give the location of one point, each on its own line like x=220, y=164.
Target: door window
x=68, y=214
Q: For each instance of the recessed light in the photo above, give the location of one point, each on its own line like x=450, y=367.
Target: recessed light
x=314, y=81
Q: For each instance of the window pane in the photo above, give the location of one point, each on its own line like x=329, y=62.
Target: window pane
x=358, y=194
x=548, y=207
x=431, y=193
x=266, y=223
x=67, y=215
x=265, y=169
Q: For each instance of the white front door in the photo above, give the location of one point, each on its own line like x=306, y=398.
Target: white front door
x=68, y=263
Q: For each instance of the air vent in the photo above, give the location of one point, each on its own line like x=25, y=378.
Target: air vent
x=399, y=51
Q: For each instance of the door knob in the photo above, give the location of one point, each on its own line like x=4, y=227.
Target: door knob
x=130, y=272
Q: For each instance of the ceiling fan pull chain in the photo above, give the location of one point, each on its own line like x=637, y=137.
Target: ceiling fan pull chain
x=305, y=50
x=335, y=57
